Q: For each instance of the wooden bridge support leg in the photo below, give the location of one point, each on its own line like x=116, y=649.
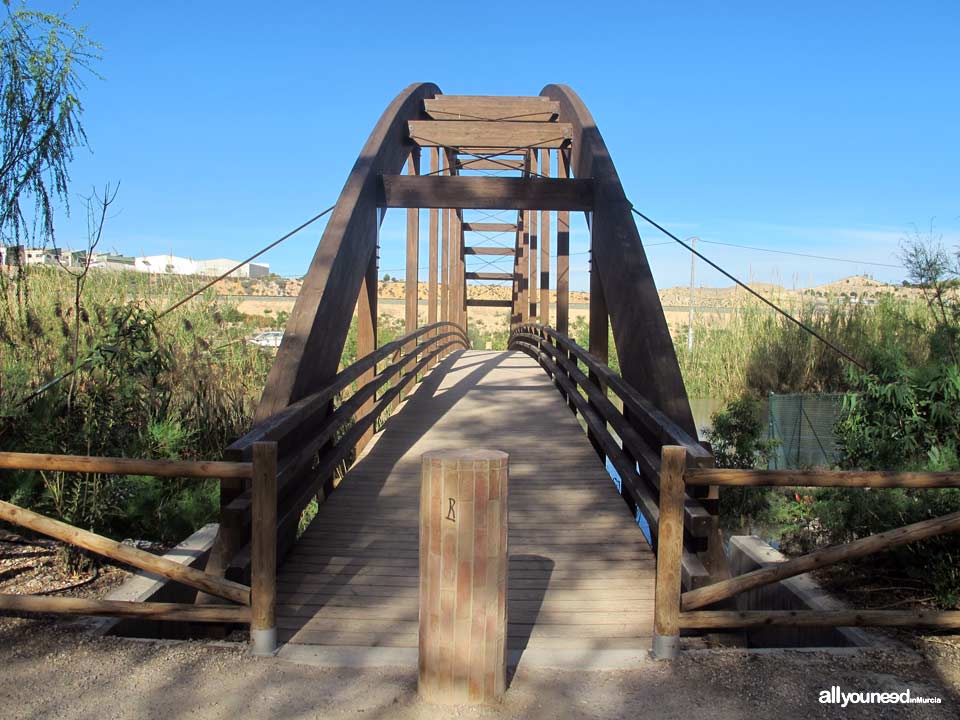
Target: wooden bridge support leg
x=445, y=259
x=563, y=252
x=412, y=285
x=599, y=337
x=666, y=612
x=263, y=550
x=517, y=314
x=545, y=250
x=367, y=335
x=433, y=240
x=534, y=247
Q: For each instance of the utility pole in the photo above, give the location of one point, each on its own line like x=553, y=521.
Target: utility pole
x=693, y=266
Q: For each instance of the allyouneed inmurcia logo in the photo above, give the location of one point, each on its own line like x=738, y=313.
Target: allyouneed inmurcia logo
x=836, y=696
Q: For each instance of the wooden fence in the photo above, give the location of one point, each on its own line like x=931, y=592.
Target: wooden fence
x=253, y=604
x=676, y=610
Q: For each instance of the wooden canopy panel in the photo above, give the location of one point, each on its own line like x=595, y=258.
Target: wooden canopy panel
x=482, y=107
x=480, y=134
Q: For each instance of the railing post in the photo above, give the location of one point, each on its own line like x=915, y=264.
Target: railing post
x=666, y=618
x=263, y=560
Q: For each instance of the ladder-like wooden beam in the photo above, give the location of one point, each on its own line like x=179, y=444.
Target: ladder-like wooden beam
x=490, y=276
x=490, y=227
x=532, y=223
x=483, y=107
x=485, y=193
x=563, y=252
x=545, y=249
x=476, y=302
x=455, y=134
x=481, y=250
x=467, y=163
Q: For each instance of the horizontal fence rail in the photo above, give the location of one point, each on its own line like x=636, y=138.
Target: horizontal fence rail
x=676, y=610
x=255, y=603
x=629, y=436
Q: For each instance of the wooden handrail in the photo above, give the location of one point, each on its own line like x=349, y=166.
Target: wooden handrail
x=638, y=488
x=653, y=421
x=293, y=495
x=316, y=404
x=821, y=478
x=125, y=466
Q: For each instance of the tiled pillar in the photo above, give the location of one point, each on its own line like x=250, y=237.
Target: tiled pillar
x=463, y=576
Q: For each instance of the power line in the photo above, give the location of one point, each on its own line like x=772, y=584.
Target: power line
x=799, y=254
x=60, y=378
x=791, y=318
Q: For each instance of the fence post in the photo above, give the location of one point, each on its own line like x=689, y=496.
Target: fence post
x=666, y=618
x=263, y=561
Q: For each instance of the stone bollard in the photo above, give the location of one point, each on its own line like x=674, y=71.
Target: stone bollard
x=463, y=576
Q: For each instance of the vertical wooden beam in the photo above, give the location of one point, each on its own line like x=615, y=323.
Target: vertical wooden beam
x=413, y=250
x=599, y=317
x=461, y=270
x=666, y=612
x=434, y=216
x=516, y=313
x=412, y=284
x=563, y=252
x=534, y=245
x=599, y=336
x=445, y=264
x=545, y=249
x=263, y=550
x=367, y=335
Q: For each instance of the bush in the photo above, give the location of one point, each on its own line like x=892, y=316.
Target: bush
x=736, y=441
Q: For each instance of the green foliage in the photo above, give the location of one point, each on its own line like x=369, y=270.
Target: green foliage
x=736, y=440
x=183, y=387
x=42, y=62
x=757, y=352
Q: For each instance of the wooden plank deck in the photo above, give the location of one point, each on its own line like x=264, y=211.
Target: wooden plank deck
x=581, y=572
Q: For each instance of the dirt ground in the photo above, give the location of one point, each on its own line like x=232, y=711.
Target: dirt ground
x=53, y=670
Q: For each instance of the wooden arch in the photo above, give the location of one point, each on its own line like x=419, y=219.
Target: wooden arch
x=318, y=324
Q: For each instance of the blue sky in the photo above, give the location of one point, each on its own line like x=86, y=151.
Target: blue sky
x=824, y=128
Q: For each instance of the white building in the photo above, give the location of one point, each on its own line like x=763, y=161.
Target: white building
x=175, y=265
x=165, y=265
x=218, y=266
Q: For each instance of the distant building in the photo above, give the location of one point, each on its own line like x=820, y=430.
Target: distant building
x=175, y=265
x=21, y=255
x=12, y=255
x=218, y=266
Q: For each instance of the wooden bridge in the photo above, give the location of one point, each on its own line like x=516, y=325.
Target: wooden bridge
x=594, y=455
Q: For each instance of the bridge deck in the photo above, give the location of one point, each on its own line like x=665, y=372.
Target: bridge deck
x=581, y=572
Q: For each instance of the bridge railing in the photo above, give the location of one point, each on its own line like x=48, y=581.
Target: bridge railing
x=630, y=434
x=676, y=610
x=320, y=434
x=253, y=604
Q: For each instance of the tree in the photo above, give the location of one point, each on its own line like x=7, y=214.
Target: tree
x=42, y=62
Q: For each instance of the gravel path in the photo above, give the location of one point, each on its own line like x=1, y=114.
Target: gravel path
x=53, y=671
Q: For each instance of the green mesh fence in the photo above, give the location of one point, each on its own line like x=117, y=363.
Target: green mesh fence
x=803, y=424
